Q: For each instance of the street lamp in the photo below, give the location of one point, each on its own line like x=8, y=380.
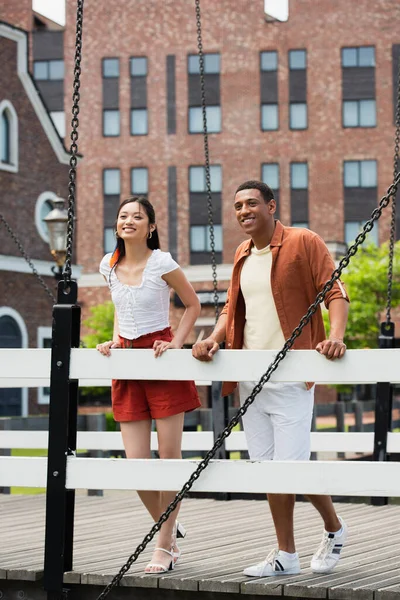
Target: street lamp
x=57, y=223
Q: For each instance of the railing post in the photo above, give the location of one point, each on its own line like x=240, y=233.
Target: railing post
x=219, y=422
x=383, y=409
x=219, y=416
x=60, y=502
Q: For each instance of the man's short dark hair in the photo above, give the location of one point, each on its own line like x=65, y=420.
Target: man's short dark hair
x=262, y=187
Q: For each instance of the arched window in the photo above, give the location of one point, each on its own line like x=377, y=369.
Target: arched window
x=8, y=137
x=13, y=334
x=5, y=138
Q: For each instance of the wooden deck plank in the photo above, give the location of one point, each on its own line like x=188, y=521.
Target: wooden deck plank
x=228, y=537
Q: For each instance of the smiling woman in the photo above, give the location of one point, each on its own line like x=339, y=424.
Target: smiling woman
x=140, y=276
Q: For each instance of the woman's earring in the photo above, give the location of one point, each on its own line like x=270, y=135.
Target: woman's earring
x=150, y=234
x=116, y=234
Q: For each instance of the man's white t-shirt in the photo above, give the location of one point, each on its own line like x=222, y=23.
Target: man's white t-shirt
x=262, y=330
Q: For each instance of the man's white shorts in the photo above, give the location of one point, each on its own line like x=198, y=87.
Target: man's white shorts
x=278, y=423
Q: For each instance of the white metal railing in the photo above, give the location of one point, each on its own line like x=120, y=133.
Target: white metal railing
x=18, y=367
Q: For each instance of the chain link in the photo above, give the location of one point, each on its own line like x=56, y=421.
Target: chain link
x=207, y=161
x=257, y=389
x=74, y=145
x=392, y=239
x=28, y=260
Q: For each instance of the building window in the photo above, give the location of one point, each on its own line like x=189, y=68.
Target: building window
x=297, y=59
x=111, y=125
x=5, y=141
x=58, y=118
x=197, y=179
x=42, y=208
x=52, y=70
x=213, y=115
x=44, y=341
x=359, y=113
x=111, y=182
x=360, y=174
x=269, y=60
x=212, y=64
x=139, y=112
x=139, y=181
x=212, y=68
x=8, y=137
x=138, y=66
x=139, y=124
x=298, y=115
x=353, y=228
x=111, y=201
x=200, y=238
x=109, y=239
x=269, y=117
x=270, y=175
x=299, y=176
x=363, y=56
x=303, y=225
x=110, y=67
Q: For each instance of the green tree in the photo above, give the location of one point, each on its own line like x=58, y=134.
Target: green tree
x=101, y=322
x=366, y=282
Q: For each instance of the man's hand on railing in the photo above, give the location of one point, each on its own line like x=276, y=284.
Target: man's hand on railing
x=332, y=348
x=205, y=349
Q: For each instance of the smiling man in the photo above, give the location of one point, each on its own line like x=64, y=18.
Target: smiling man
x=277, y=274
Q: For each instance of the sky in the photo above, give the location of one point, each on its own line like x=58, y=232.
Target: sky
x=55, y=9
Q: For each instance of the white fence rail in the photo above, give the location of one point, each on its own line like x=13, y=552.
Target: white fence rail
x=22, y=367
x=315, y=477
x=199, y=441
x=357, y=366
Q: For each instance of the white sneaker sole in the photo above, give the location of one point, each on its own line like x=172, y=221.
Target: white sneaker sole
x=274, y=573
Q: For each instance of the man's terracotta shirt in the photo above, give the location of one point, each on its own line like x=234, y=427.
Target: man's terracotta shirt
x=301, y=265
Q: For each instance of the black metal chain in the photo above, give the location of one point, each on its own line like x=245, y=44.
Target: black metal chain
x=257, y=389
x=207, y=161
x=74, y=145
x=28, y=260
x=392, y=239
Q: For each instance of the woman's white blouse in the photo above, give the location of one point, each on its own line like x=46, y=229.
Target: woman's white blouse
x=143, y=308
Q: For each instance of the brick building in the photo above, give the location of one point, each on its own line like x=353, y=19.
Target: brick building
x=33, y=171
x=306, y=105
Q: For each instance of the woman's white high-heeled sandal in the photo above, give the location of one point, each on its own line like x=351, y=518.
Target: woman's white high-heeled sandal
x=177, y=554
x=163, y=568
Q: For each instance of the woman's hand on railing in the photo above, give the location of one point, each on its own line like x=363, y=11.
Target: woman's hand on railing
x=161, y=346
x=106, y=347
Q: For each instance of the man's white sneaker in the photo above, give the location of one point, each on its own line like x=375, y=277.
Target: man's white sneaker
x=327, y=556
x=276, y=563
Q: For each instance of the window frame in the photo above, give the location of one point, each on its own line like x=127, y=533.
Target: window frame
x=358, y=163
x=7, y=109
x=357, y=65
x=276, y=60
x=111, y=110
x=133, y=192
x=199, y=108
x=291, y=104
x=293, y=164
x=206, y=238
x=103, y=61
x=358, y=102
x=276, y=105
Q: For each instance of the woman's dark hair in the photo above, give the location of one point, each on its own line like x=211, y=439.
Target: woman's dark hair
x=153, y=242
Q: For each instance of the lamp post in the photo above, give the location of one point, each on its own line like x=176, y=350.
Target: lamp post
x=57, y=222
